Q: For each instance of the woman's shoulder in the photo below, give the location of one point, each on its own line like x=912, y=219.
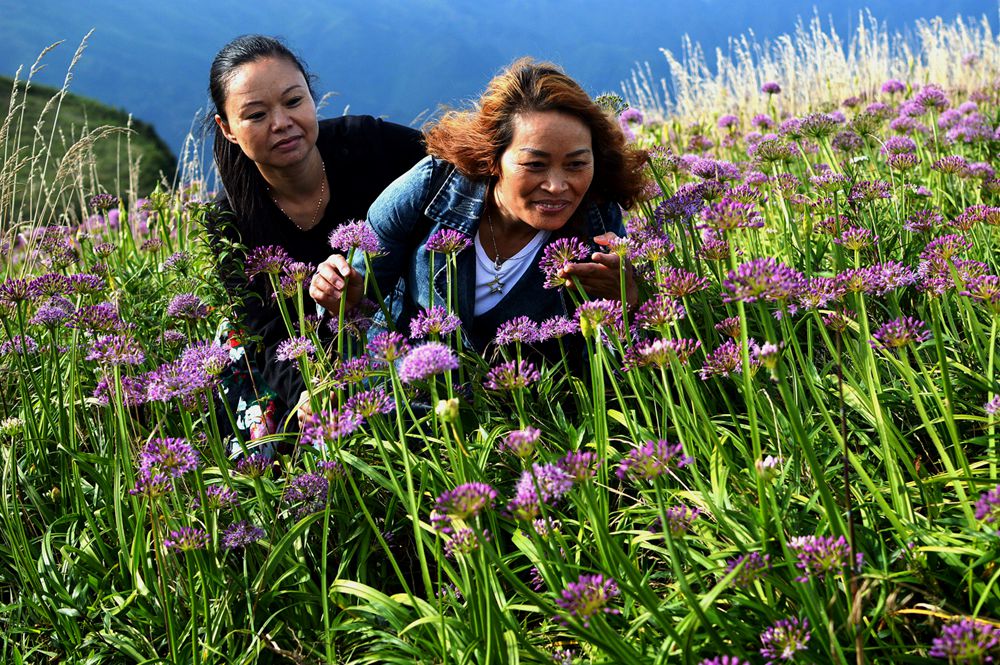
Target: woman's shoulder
x=363, y=130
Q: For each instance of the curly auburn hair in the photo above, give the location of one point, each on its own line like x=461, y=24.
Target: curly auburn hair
x=474, y=140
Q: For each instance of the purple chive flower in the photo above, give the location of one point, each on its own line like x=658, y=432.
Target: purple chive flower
x=556, y=327
x=22, y=345
x=84, y=284
x=519, y=330
x=893, y=87
x=819, y=125
x=723, y=660
x=50, y=284
x=950, y=164
x=218, y=497
x=679, y=520
x=988, y=504
x=762, y=121
x=903, y=161
x=208, y=357
x=179, y=261
x=855, y=238
x=751, y=566
x=522, y=442
x=652, y=460
x=355, y=235
x=819, y=291
x=116, y=350
x=992, y=407
x=770, y=88
x=729, y=326
x=102, y=202
x=100, y=318
x=659, y=312
x=867, y=191
x=171, y=456
x=463, y=541
x=714, y=169
x=326, y=427
x=819, y=556
x=783, y=639
x=267, y=260
x=932, y=96
x=426, y=361
x=254, y=465
x=14, y=291
x=351, y=372
x=586, y=598
x=762, y=279
x=728, y=122
x=677, y=282
x=176, y=380
x=544, y=483
x=899, y=333
x=368, y=403
x=151, y=484
x=882, y=278
x=388, y=347
x=151, y=245
x=309, y=489
x=133, y=390
x=466, y=501
x=922, y=221
x=239, y=535
x=448, y=241
x=579, y=465
x=967, y=641
x=727, y=359
x=295, y=349
x=186, y=539
x=898, y=145
x=512, y=375
x=728, y=215
x=435, y=322
x=187, y=307
x=559, y=255
x=593, y=315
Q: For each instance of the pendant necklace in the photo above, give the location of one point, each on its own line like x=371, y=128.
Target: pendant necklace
x=319, y=203
x=496, y=286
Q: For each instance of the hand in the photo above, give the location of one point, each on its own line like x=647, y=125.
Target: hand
x=334, y=279
x=601, y=278
x=303, y=408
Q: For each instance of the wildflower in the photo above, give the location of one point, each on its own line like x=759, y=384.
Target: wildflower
x=49, y=284
x=728, y=215
x=323, y=427
x=151, y=484
x=463, y=541
x=950, y=164
x=171, y=456
x=867, y=191
x=103, y=202
x=22, y=345
x=466, y=501
x=652, y=460
x=729, y=326
x=893, y=87
x=783, y=639
x=855, y=238
x=116, y=350
x=770, y=88
x=218, y=497
x=254, y=465
x=768, y=467
x=426, y=361
x=239, y=535
x=762, y=279
x=659, y=352
x=677, y=282
x=186, y=539
x=556, y=327
x=178, y=380
x=309, y=489
x=546, y=482
x=295, y=349
x=54, y=311
x=931, y=96
x=882, y=278
x=586, y=598
x=522, y=442
x=728, y=122
x=899, y=333
x=751, y=566
x=903, y=162
x=14, y=291
x=726, y=359
x=580, y=466
x=714, y=169
x=714, y=246
x=435, y=321
x=10, y=426
x=922, y=221
x=100, y=318
x=967, y=641
x=771, y=150
x=350, y=372
x=133, y=390
x=595, y=314
x=818, y=125
x=388, y=347
x=819, y=291
x=448, y=241
x=659, y=312
x=988, y=504
x=512, y=375
x=992, y=407
x=680, y=519
x=519, y=330
x=370, y=402
x=269, y=260
x=723, y=660
x=208, y=357
x=84, y=284
x=684, y=204
x=187, y=306
x=820, y=555
x=898, y=145
x=558, y=256
x=178, y=261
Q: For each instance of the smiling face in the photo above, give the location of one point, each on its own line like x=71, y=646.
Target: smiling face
x=270, y=113
x=545, y=171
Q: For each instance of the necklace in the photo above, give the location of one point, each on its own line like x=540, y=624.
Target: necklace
x=319, y=203
x=496, y=286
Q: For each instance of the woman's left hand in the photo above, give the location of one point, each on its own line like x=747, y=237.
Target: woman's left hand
x=601, y=277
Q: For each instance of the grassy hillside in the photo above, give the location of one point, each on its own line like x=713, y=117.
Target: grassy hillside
x=94, y=148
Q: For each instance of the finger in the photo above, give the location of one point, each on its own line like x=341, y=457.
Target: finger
x=588, y=270
x=340, y=264
x=609, y=260
x=605, y=238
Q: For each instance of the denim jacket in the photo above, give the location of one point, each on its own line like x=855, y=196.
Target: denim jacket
x=433, y=196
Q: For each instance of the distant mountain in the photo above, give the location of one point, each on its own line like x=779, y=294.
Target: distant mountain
x=396, y=58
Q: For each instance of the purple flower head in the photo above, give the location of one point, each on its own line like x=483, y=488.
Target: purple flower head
x=519, y=330
x=729, y=215
x=133, y=390
x=187, y=307
x=171, y=456
x=729, y=326
x=992, y=407
x=426, y=361
x=239, y=535
x=14, y=291
x=100, y=318
x=176, y=380
x=899, y=145
x=988, y=506
x=298, y=272
x=368, y=403
x=593, y=315
x=512, y=375
x=84, y=284
x=448, y=241
x=218, y=497
x=53, y=312
x=893, y=87
x=295, y=349
x=267, y=260
x=659, y=312
x=783, y=639
x=770, y=150
x=522, y=442
x=309, y=489
x=435, y=322
x=751, y=566
x=559, y=255
x=254, y=465
x=903, y=162
x=326, y=427
x=727, y=359
x=819, y=556
x=355, y=235
x=207, y=357
x=967, y=641
x=950, y=164
x=579, y=465
x=923, y=220
x=116, y=350
x=547, y=483
x=882, y=278
x=819, y=292
x=463, y=541
x=723, y=660
x=931, y=96
x=677, y=282
x=819, y=125
x=466, y=501
x=684, y=204
x=556, y=327
x=762, y=279
x=388, y=347
x=186, y=539
x=868, y=191
x=728, y=121
x=975, y=215
x=351, y=371
x=679, y=520
x=50, y=284
x=770, y=88
x=984, y=289
x=586, y=598
x=652, y=460
x=900, y=332
x=714, y=169
x=103, y=202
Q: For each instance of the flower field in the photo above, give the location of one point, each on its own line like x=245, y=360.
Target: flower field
x=787, y=453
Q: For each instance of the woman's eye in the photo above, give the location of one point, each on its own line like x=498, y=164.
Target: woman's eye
x=294, y=101
x=256, y=116
x=534, y=165
x=579, y=165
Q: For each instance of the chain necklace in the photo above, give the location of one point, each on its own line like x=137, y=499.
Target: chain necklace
x=496, y=285
x=319, y=203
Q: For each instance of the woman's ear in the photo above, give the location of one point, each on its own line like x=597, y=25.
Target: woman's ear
x=224, y=128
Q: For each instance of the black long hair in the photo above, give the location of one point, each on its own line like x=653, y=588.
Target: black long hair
x=242, y=180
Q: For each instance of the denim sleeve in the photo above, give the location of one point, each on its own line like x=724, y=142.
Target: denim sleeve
x=393, y=217
x=615, y=222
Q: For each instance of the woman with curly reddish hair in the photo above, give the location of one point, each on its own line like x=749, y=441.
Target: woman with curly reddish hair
x=535, y=160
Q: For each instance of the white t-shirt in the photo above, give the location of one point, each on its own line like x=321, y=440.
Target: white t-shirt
x=489, y=291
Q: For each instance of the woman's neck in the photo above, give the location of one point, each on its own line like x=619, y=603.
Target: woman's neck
x=297, y=181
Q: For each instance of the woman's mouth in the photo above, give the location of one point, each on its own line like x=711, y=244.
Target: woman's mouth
x=551, y=206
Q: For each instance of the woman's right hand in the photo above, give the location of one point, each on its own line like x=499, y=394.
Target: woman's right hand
x=303, y=408
x=334, y=279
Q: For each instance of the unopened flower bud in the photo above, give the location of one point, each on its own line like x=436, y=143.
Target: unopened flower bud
x=447, y=410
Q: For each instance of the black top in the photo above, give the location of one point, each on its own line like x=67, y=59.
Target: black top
x=362, y=155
